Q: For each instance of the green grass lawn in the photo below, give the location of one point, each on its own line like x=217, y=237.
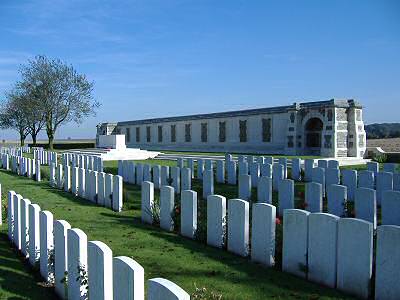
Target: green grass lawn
x=186, y=262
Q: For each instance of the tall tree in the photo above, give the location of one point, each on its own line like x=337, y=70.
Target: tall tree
x=34, y=110
x=64, y=94
x=13, y=114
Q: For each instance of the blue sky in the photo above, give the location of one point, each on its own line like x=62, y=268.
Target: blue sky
x=167, y=57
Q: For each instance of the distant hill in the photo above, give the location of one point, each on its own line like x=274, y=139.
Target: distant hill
x=382, y=130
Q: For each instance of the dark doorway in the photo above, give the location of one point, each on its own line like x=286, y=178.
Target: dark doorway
x=313, y=133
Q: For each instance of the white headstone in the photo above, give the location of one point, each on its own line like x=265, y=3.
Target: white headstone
x=216, y=220
x=34, y=233
x=208, y=183
x=117, y=193
x=167, y=203
x=254, y=173
x=157, y=176
x=176, y=179
x=108, y=190
x=164, y=175
x=147, y=173
x=101, y=185
x=238, y=227
x=384, y=182
x=188, y=213
x=366, y=179
x=60, y=256
x=163, y=289
x=128, y=279
x=373, y=167
x=354, y=257
x=263, y=233
x=286, y=195
x=349, y=180
x=100, y=268
x=186, y=179
x=77, y=263
x=332, y=176
x=322, y=245
x=296, y=169
x=266, y=170
x=220, y=171
x=390, y=208
x=200, y=168
x=81, y=182
x=244, y=187
x=313, y=197
x=17, y=220
x=365, y=205
x=231, y=169
x=387, y=276
x=24, y=203
x=278, y=174
x=318, y=175
x=295, y=242
x=308, y=169
x=243, y=168
x=333, y=164
x=337, y=200
x=147, y=202
x=139, y=174
x=46, y=244
x=264, y=190
x=10, y=215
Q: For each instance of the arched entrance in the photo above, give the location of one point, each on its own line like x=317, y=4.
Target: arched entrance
x=313, y=134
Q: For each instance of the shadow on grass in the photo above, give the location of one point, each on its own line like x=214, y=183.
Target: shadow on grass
x=254, y=271
x=18, y=280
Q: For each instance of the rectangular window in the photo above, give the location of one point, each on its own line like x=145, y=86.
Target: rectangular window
x=173, y=133
x=188, y=137
x=204, y=132
x=160, y=134
x=243, y=131
x=222, y=132
x=148, y=137
x=266, y=130
x=128, y=135
x=137, y=134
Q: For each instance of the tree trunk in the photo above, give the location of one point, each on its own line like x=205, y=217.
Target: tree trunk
x=34, y=136
x=51, y=141
x=21, y=140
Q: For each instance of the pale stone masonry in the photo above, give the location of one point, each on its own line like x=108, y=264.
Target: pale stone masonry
x=332, y=128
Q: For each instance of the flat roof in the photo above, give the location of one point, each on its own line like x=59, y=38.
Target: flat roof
x=246, y=112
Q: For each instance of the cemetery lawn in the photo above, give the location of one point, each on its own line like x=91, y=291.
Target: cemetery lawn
x=188, y=263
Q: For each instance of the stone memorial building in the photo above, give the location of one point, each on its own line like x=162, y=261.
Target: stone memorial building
x=332, y=128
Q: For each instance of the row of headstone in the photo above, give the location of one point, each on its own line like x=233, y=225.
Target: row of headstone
x=45, y=157
x=90, y=162
x=17, y=151
x=338, y=253
x=98, y=187
x=78, y=267
x=380, y=181
x=234, y=232
x=22, y=166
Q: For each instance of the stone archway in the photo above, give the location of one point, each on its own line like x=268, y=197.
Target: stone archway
x=313, y=136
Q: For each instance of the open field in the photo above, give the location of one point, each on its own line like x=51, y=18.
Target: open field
x=188, y=263
x=388, y=145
